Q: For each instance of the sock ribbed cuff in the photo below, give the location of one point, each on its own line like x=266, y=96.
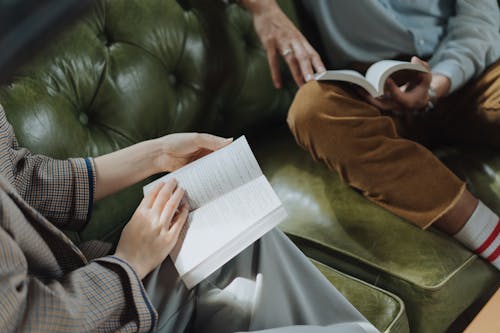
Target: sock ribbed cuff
x=481, y=234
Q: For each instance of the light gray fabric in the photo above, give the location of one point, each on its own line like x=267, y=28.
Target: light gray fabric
x=461, y=37
x=270, y=286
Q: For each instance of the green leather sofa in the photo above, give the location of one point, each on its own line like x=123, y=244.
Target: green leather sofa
x=137, y=69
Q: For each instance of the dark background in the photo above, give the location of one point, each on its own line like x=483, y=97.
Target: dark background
x=26, y=25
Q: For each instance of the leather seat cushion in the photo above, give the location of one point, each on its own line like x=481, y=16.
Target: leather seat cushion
x=336, y=225
x=383, y=309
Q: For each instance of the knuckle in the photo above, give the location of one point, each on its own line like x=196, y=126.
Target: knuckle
x=142, y=213
x=301, y=56
x=169, y=237
x=171, y=204
x=155, y=230
x=268, y=41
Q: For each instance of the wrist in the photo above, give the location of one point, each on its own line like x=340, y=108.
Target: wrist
x=136, y=268
x=441, y=85
x=155, y=155
x=432, y=98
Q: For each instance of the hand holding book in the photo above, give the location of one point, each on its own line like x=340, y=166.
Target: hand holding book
x=390, y=85
x=154, y=229
x=414, y=95
x=231, y=206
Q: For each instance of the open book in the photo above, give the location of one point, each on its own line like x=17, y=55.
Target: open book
x=232, y=205
x=376, y=75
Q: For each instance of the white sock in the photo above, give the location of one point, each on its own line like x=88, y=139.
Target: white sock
x=481, y=234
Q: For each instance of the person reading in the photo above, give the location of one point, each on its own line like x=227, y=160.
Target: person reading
x=378, y=145
x=48, y=284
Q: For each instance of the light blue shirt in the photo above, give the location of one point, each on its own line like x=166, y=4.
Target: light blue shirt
x=461, y=37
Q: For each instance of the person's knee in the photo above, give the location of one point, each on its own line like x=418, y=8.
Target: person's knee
x=304, y=108
x=315, y=100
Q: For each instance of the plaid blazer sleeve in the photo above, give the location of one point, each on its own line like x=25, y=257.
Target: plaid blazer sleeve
x=103, y=296
x=61, y=190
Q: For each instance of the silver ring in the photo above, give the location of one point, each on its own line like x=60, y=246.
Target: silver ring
x=286, y=52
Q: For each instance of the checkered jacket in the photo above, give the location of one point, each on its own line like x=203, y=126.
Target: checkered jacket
x=47, y=284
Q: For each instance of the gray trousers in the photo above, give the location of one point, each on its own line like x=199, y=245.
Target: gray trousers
x=270, y=287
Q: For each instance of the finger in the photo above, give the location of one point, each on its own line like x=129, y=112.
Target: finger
x=274, y=66
x=409, y=100
x=315, y=58
x=404, y=99
x=318, y=63
x=163, y=196
x=293, y=65
x=150, y=196
x=426, y=77
x=211, y=142
x=419, y=87
x=171, y=207
x=417, y=60
x=177, y=225
x=303, y=60
x=393, y=89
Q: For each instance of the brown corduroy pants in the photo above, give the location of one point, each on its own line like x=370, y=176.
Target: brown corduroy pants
x=383, y=155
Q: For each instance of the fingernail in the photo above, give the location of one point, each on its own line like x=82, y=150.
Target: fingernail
x=321, y=70
x=308, y=77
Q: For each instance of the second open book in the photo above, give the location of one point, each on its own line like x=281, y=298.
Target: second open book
x=376, y=75
x=232, y=205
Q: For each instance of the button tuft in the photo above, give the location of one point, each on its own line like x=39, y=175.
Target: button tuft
x=172, y=79
x=83, y=118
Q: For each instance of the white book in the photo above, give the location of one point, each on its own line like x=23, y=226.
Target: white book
x=376, y=75
x=232, y=205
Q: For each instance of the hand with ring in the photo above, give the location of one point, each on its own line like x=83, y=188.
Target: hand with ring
x=279, y=36
x=286, y=52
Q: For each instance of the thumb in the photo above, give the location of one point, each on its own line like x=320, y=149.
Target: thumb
x=212, y=142
x=417, y=60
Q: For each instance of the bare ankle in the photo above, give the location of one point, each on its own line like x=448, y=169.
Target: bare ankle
x=454, y=219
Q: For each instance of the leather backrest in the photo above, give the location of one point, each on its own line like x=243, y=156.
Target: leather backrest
x=138, y=69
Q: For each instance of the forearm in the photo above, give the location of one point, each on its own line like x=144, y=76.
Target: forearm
x=471, y=42
x=125, y=167
x=258, y=6
x=89, y=298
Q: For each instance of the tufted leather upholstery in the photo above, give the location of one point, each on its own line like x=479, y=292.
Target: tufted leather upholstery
x=436, y=277
x=369, y=300
x=137, y=69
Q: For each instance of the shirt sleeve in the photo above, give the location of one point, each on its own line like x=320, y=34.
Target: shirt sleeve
x=471, y=42
x=103, y=296
x=61, y=190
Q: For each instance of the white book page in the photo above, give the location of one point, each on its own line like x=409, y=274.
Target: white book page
x=215, y=174
x=234, y=247
x=378, y=73
x=347, y=76
x=213, y=226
